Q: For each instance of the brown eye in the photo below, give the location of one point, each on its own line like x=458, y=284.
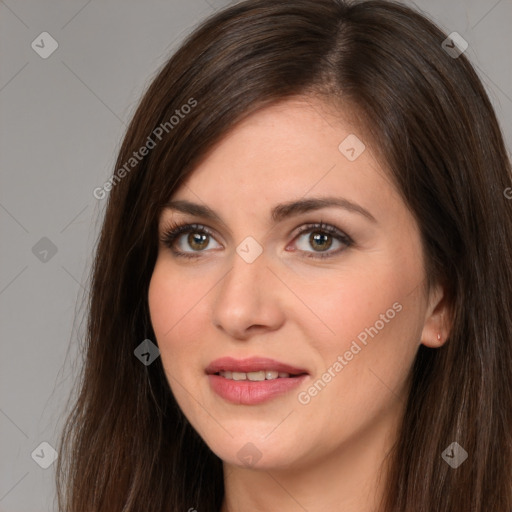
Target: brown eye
x=196, y=242
x=320, y=241
x=321, y=238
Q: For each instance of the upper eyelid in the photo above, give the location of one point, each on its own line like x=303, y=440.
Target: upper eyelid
x=182, y=219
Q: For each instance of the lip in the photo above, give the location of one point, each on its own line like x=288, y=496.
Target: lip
x=251, y=364
x=246, y=392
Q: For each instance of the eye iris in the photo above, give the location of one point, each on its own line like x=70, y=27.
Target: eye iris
x=194, y=239
x=320, y=237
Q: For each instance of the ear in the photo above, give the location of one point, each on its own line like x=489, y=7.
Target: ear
x=437, y=318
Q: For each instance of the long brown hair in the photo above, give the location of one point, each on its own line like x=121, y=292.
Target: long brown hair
x=126, y=445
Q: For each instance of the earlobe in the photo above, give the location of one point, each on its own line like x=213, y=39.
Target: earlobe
x=437, y=320
x=432, y=341
x=434, y=333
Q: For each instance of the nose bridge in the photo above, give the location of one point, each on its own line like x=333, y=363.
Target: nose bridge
x=244, y=296
x=247, y=274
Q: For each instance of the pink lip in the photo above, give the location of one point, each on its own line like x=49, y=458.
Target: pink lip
x=245, y=392
x=251, y=364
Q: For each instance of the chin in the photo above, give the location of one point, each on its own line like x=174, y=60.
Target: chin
x=253, y=451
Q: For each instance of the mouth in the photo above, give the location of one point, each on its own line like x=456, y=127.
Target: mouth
x=253, y=369
x=254, y=380
x=257, y=376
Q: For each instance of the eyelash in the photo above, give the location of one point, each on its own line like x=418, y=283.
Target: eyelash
x=173, y=231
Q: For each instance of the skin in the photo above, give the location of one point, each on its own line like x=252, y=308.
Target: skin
x=326, y=454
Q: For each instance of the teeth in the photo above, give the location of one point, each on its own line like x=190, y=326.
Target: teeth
x=254, y=376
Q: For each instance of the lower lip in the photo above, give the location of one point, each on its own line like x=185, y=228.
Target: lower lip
x=246, y=392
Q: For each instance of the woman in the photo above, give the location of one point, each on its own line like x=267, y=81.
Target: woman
x=309, y=219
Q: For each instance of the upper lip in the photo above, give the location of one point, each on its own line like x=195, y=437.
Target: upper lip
x=251, y=364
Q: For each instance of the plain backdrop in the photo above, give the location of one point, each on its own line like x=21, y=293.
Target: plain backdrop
x=62, y=119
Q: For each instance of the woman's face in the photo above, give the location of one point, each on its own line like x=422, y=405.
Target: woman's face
x=347, y=308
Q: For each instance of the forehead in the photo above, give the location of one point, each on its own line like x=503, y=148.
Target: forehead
x=294, y=149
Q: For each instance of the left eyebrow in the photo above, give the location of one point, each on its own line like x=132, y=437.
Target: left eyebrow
x=279, y=212
x=285, y=210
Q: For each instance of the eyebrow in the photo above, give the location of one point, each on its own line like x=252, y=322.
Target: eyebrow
x=279, y=212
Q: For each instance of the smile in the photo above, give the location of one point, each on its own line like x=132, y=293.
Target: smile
x=254, y=380
x=254, y=376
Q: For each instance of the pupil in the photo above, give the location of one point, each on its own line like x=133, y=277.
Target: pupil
x=318, y=237
x=194, y=240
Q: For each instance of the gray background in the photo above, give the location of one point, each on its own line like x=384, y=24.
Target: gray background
x=62, y=120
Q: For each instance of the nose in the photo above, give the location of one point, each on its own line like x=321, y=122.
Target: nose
x=247, y=299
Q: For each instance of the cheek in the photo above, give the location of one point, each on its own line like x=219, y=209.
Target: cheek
x=173, y=317
x=346, y=304
x=372, y=319
x=363, y=360
x=162, y=302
